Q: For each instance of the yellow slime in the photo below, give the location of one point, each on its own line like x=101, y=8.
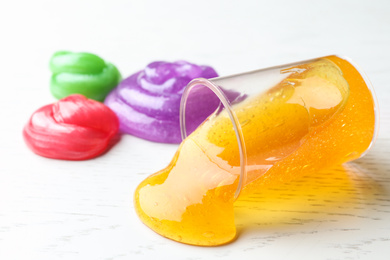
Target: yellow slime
x=319, y=116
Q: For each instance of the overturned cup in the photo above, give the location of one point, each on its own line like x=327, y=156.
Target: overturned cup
x=273, y=125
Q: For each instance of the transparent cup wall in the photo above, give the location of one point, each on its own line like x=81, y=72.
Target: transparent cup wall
x=310, y=91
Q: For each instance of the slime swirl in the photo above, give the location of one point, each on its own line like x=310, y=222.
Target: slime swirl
x=74, y=128
x=147, y=103
x=320, y=115
x=82, y=73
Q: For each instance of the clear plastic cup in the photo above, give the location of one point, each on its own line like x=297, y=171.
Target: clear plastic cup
x=320, y=87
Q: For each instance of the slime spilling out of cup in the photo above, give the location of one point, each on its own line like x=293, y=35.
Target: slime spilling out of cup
x=148, y=102
x=73, y=128
x=82, y=73
x=293, y=120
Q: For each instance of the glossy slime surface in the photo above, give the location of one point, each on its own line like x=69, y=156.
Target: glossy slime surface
x=147, y=103
x=321, y=115
x=74, y=128
x=82, y=73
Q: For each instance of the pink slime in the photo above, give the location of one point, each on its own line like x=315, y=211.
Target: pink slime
x=74, y=128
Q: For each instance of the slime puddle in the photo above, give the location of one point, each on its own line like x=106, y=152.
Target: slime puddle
x=319, y=116
x=325, y=196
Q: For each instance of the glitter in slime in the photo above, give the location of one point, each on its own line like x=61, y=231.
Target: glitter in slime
x=320, y=115
x=82, y=73
x=73, y=128
x=147, y=103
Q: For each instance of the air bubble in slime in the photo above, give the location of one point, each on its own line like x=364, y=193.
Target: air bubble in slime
x=73, y=128
x=148, y=102
x=295, y=120
x=82, y=73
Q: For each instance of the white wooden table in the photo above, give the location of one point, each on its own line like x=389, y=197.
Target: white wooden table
x=52, y=209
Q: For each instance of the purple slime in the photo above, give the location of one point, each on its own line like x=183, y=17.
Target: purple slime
x=147, y=103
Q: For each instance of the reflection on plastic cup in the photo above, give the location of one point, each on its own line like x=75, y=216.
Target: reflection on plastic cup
x=273, y=125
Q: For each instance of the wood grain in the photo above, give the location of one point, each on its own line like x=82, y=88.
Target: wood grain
x=52, y=209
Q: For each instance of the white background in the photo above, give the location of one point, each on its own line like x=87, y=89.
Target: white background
x=51, y=209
